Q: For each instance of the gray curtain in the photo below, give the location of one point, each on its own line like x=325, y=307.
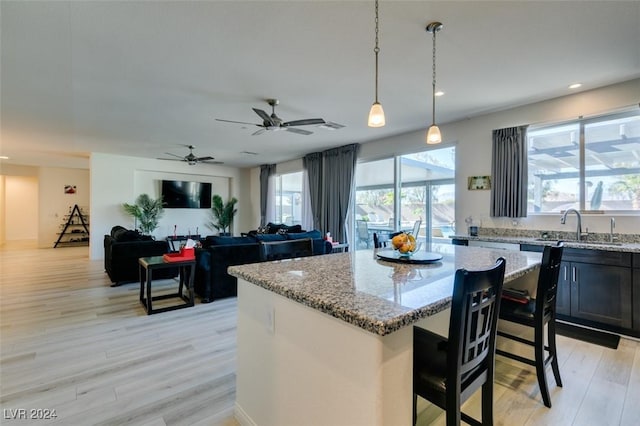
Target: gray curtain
x=339, y=172
x=266, y=171
x=312, y=164
x=509, y=172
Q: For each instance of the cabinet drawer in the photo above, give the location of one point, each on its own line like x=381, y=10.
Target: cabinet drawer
x=597, y=257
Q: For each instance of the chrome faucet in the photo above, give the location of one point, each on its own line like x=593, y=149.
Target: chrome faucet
x=613, y=226
x=563, y=219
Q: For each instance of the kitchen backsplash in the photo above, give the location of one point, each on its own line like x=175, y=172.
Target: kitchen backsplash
x=556, y=235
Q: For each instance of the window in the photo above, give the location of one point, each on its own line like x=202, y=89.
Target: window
x=288, y=198
x=589, y=164
x=424, y=198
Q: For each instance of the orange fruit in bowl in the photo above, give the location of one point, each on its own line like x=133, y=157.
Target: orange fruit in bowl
x=399, y=240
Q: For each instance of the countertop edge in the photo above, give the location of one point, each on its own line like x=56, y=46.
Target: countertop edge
x=624, y=247
x=381, y=328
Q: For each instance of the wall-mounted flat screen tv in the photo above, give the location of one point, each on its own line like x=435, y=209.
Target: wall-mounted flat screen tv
x=186, y=195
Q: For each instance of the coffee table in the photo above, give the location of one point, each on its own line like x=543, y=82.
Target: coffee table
x=187, y=272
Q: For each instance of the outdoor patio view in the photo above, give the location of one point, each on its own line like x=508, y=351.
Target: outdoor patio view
x=426, y=202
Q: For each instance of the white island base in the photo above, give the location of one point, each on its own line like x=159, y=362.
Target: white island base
x=298, y=366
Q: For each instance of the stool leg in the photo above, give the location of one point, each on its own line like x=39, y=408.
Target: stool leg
x=539, y=361
x=551, y=330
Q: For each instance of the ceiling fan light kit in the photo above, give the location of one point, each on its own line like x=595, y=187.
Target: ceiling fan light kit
x=376, y=113
x=433, y=134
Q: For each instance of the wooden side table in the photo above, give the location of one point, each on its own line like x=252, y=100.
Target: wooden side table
x=187, y=272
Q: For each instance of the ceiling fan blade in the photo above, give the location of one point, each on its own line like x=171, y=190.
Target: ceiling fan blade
x=264, y=116
x=171, y=159
x=213, y=162
x=239, y=122
x=330, y=125
x=306, y=122
x=298, y=131
x=204, y=158
x=178, y=156
x=258, y=132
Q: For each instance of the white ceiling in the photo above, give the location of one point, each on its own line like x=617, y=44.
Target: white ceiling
x=142, y=78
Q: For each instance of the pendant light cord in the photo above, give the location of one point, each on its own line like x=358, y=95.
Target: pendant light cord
x=376, y=50
x=433, y=83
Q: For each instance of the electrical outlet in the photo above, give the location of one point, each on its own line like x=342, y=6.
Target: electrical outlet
x=270, y=319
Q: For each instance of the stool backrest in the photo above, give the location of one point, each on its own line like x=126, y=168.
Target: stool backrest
x=277, y=250
x=473, y=325
x=548, y=280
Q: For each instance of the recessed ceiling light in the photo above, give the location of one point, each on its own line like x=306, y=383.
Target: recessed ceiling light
x=3, y=157
x=439, y=93
x=575, y=85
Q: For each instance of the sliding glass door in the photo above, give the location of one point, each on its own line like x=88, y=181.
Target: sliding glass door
x=414, y=193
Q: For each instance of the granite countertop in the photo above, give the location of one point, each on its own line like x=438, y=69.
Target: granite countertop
x=590, y=245
x=378, y=296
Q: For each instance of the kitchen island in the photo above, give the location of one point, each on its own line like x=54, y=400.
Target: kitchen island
x=327, y=340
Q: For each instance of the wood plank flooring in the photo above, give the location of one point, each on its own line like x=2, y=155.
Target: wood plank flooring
x=71, y=343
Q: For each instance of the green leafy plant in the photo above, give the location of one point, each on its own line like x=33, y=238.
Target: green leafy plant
x=222, y=214
x=147, y=211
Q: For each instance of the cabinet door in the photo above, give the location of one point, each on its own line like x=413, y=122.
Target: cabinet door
x=601, y=293
x=636, y=299
x=563, y=296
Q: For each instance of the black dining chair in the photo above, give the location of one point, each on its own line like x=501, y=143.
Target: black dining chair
x=278, y=250
x=538, y=313
x=447, y=371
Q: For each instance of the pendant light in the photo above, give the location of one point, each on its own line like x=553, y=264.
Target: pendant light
x=376, y=114
x=433, y=134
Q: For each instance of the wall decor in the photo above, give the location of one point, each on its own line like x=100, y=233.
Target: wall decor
x=69, y=189
x=479, y=182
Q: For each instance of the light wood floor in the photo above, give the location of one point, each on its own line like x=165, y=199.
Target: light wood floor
x=73, y=344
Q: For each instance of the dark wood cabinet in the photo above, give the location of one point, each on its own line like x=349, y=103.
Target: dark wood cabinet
x=636, y=292
x=596, y=286
x=601, y=293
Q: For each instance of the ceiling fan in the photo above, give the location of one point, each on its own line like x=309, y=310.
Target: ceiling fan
x=274, y=123
x=190, y=158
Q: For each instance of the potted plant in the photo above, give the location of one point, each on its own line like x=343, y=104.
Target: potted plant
x=147, y=211
x=222, y=214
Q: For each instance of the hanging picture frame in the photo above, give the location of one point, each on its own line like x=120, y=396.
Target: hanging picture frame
x=479, y=182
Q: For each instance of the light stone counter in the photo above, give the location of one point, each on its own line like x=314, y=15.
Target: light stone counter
x=378, y=296
x=328, y=340
x=625, y=247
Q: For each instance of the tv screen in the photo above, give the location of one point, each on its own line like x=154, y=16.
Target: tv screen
x=186, y=195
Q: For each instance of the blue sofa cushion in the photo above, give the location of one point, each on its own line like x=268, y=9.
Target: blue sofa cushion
x=270, y=237
x=214, y=240
x=315, y=234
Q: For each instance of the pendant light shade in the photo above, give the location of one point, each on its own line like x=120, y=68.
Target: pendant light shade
x=376, y=113
x=433, y=134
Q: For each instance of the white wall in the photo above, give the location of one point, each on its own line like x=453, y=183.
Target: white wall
x=117, y=179
x=472, y=139
x=21, y=220
x=54, y=204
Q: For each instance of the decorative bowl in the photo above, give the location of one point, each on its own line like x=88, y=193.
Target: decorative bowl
x=405, y=244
